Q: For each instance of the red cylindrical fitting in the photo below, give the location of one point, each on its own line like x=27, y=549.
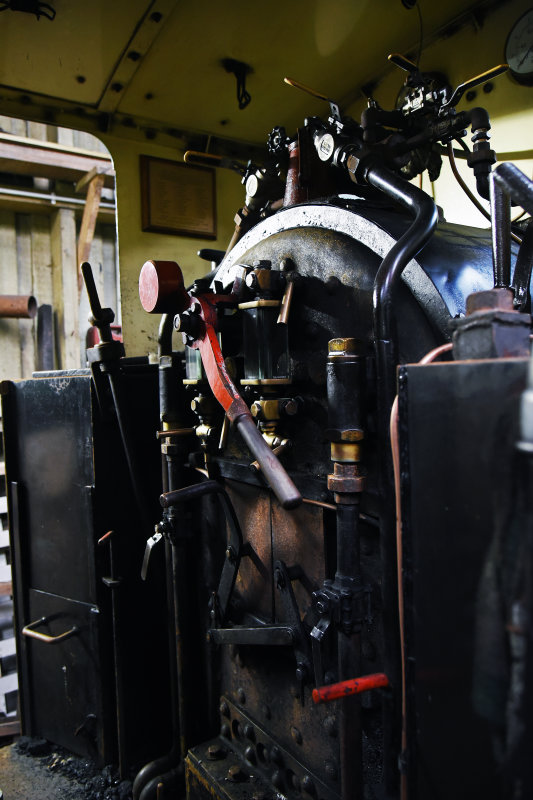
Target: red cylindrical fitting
x=17, y=305
x=161, y=288
x=324, y=694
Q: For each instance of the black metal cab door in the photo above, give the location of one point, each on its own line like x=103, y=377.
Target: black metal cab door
x=63, y=669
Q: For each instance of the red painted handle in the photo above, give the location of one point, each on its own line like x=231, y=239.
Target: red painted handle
x=324, y=694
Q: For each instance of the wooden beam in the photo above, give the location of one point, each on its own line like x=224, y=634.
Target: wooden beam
x=66, y=304
x=48, y=160
x=37, y=205
x=88, y=221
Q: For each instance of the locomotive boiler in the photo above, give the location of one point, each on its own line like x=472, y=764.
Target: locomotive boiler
x=335, y=569
x=345, y=527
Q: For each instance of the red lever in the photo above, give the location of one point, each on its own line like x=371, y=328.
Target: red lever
x=324, y=694
x=161, y=287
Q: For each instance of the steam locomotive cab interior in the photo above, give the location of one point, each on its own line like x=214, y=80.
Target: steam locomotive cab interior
x=290, y=505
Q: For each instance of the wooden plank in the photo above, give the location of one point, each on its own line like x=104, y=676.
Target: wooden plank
x=29, y=205
x=7, y=647
x=65, y=137
x=27, y=328
x=10, y=728
x=17, y=127
x=83, y=184
x=37, y=130
x=87, y=141
x=10, y=365
x=6, y=589
x=41, y=258
x=8, y=683
x=88, y=221
x=66, y=302
x=109, y=258
x=49, y=160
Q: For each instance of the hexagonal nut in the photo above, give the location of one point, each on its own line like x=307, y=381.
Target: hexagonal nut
x=490, y=300
x=356, y=168
x=342, y=483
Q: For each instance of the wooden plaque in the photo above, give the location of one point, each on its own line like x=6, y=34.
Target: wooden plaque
x=178, y=198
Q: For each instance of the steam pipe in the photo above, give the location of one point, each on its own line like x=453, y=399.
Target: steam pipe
x=518, y=185
x=387, y=280
x=389, y=273
x=500, y=206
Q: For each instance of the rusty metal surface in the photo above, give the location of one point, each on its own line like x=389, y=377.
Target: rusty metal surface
x=254, y=581
x=244, y=762
x=298, y=539
x=16, y=305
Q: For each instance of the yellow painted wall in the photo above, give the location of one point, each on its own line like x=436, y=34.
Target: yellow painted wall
x=470, y=52
x=136, y=246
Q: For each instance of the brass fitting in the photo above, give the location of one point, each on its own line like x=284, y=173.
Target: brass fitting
x=345, y=452
x=265, y=410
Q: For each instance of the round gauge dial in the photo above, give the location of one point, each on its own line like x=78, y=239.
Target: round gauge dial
x=519, y=49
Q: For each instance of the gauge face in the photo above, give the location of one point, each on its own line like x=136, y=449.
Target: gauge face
x=519, y=49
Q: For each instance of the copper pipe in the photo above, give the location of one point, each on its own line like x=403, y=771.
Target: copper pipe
x=435, y=353
x=18, y=305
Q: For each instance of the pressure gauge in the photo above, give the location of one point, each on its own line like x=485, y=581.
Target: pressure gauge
x=519, y=49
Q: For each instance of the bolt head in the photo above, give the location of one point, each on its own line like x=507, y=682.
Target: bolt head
x=215, y=752
x=235, y=774
x=224, y=709
x=296, y=735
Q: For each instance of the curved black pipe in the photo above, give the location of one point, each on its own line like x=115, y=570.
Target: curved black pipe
x=389, y=273
x=515, y=183
x=386, y=283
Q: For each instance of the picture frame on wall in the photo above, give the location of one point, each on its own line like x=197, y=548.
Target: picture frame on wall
x=177, y=199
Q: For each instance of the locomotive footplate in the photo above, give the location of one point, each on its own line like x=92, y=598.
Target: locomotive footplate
x=245, y=762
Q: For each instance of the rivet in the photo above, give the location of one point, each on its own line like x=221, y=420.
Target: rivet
x=215, y=752
x=265, y=711
x=224, y=708
x=225, y=731
x=249, y=754
x=249, y=732
x=308, y=785
x=331, y=770
x=330, y=726
x=241, y=697
x=275, y=755
x=235, y=774
x=296, y=735
x=277, y=779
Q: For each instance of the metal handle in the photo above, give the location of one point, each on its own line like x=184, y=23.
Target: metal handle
x=29, y=631
x=274, y=473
